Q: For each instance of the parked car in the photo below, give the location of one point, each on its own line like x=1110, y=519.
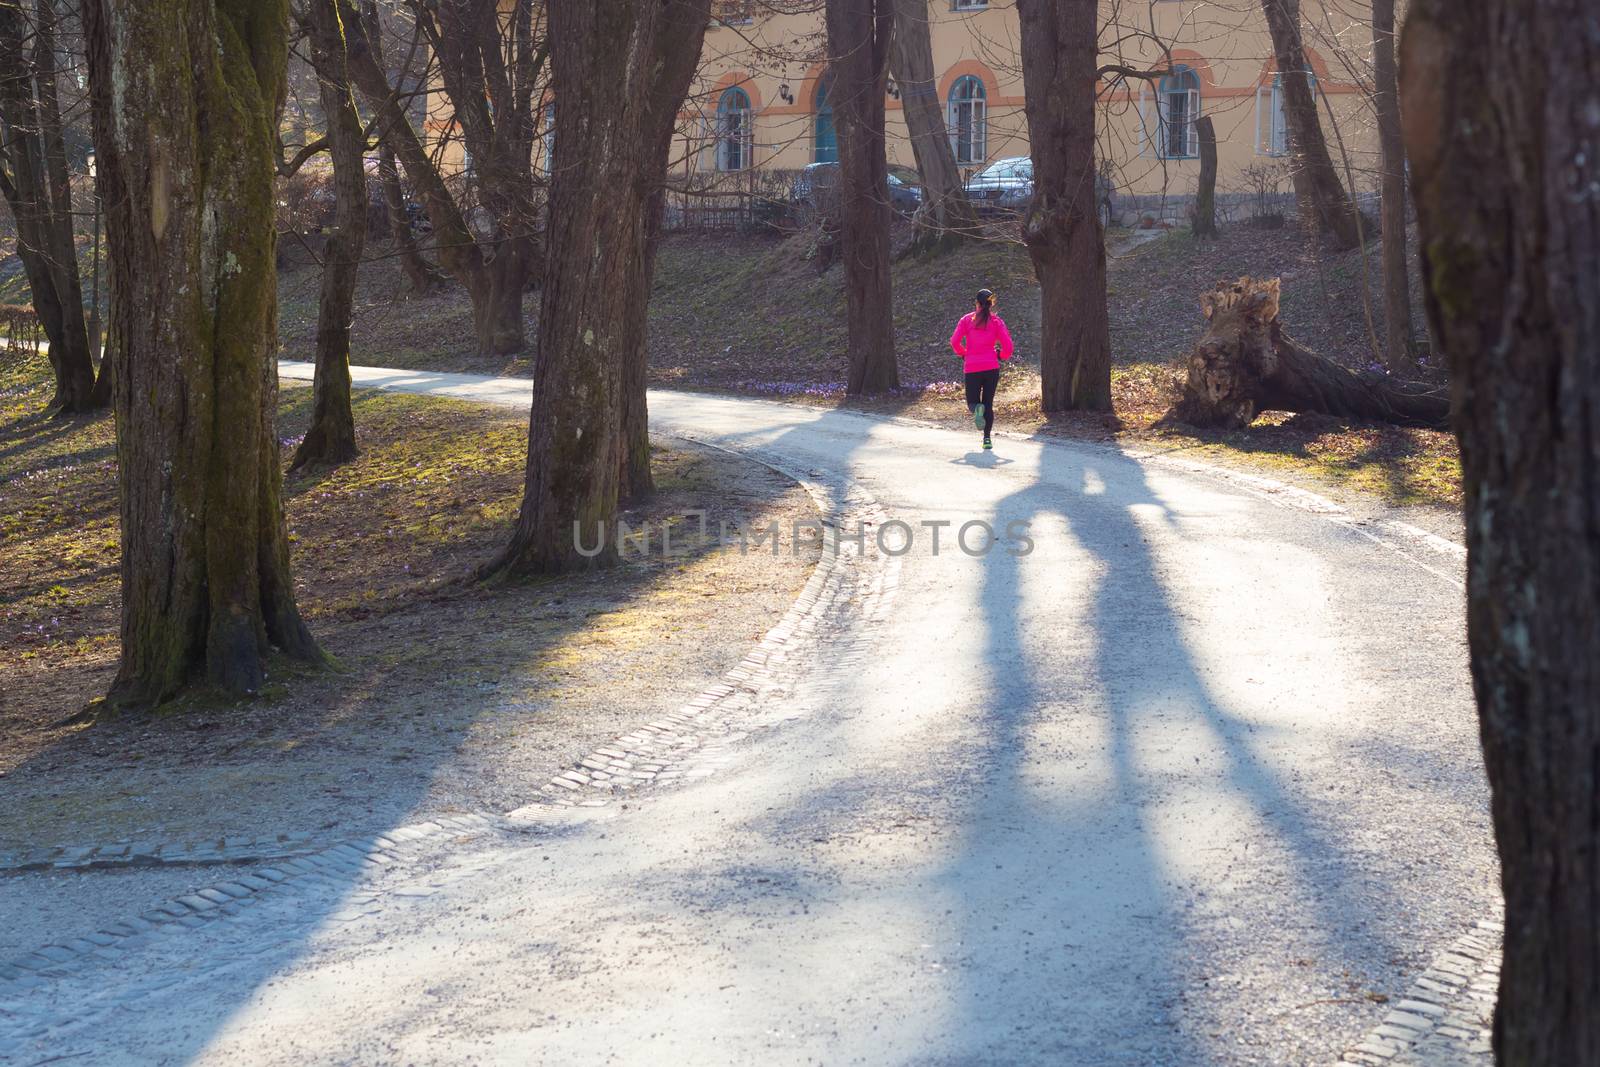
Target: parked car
x=817, y=184
x=1003, y=187
x=1006, y=187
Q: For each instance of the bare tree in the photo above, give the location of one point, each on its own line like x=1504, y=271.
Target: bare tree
x=1500, y=126
x=491, y=56
x=946, y=214
x=421, y=276
x=34, y=182
x=491, y=88
x=185, y=97
x=859, y=33
x=1315, y=177
x=1062, y=226
x=622, y=70
x=331, y=438
x=1400, y=347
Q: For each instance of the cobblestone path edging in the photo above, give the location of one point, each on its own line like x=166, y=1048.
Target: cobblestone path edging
x=1444, y=1019
x=851, y=581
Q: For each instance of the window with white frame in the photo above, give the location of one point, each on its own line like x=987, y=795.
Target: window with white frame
x=1168, y=127
x=969, y=121
x=549, y=138
x=733, y=130
x=968, y=5
x=1272, y=125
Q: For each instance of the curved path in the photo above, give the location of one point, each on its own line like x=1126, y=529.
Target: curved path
x=1185, y=784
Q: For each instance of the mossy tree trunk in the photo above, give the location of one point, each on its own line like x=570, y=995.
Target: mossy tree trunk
x=1315, y=178
x=622, y=71
x=34, y=182
x=859, y=36
x=1062, y=226
x=331, y=438
x=946, y=217
x=1500, y=116
x=186, y=95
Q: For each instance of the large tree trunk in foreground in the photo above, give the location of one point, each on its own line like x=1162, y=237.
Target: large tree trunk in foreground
x=33, y=180
x=185, y=99
x=1205, y=201
x=946, y=215
x=859, y=33
x=1062, y=227
x=622, y=70
x=1245, y=365
x=332, y=437
x=1400, y=343
x=1511, y=236
x=1315, y=177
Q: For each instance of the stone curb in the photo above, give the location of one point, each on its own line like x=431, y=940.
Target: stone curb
x=226, y=899
x=658, y=751
x=661, y=750
x=1443, y=1019
x=149, y=854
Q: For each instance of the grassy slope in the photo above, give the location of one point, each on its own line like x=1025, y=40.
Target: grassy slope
x=754, y=315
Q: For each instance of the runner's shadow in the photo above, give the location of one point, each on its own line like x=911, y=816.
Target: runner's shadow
x=983, y=460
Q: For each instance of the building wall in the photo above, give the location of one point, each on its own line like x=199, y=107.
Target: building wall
x=775, y=57
x=776, y=60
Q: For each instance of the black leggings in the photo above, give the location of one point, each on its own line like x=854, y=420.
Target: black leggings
x=980, y=390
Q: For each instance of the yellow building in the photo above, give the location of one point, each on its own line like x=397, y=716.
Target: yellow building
x=761, y=98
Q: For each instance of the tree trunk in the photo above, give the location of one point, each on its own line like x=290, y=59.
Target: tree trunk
x=859, y=33
x=489, y=59
x=185, y=101
x=622, y=71
x=458, y=251
x=33, y=180
x=1062, y=226
x=331, y=440
x=1315, y=178
x=1205, y=203
x=1400, y=343
x=1245, y=365
x=946, y=216
x=422, y=277
x=1510, y=232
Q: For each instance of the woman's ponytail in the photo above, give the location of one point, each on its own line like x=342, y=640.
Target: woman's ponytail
x=985, y=302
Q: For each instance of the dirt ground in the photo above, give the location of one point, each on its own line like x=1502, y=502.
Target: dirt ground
x=755, y=315
x=447, y=696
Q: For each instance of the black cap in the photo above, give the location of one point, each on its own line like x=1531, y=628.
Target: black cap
x=984, y=294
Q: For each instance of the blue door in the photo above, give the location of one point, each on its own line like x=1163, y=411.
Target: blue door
x=826, y=148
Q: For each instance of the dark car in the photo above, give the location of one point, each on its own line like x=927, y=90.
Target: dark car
x=1006, y=187
x=816, y=185
x=1003, y=187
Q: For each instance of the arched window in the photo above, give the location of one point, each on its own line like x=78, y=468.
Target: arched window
x=1272, y=126
x=826, y=142
x=969, y=124
x=733, y=130
x=1177, y=107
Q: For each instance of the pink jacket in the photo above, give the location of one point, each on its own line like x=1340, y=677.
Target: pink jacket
x=977, y=344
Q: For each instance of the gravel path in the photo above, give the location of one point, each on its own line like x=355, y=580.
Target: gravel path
x=1194, y=781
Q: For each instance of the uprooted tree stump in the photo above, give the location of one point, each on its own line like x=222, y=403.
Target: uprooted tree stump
x=1245, y=364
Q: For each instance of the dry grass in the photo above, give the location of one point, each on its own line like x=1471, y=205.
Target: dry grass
x=754, y=315
x=453, y=689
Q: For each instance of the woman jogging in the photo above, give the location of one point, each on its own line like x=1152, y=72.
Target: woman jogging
x=982, y=341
